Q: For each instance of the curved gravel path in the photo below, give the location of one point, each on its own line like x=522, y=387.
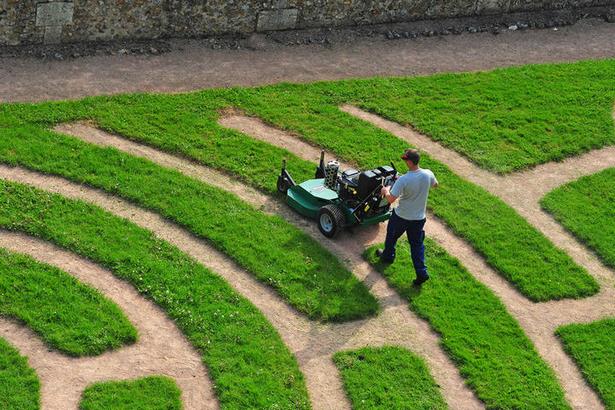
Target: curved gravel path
x=521, y=190
x=538, y=320
x=313, y=343
x=161, y=349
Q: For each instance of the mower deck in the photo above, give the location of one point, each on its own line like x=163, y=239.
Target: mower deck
x=308, y=197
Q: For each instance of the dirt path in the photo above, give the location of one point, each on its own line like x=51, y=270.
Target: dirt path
x=160, y=350
x=523, y=190
x=192, y=65
x=395, y=325
x=538, y=320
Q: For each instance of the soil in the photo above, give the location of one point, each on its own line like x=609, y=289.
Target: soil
x=193, y=64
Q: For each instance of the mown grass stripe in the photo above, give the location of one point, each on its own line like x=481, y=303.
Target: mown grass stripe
x=19, y=385
x=586, y=208
x=490, y=349
x=68, y=315
x=148, y=393
x=592, y=346
x=249, y=364
x=387, y=378
x=276, y=252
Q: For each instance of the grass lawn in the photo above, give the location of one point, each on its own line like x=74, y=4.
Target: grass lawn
x=490, y=349
x=533, y=265
x=19, y=385
x=592, y=346
x=276, y=252
x=149, y=393
x=68, y=315
x=506, y=119
x=586, y=208
x=387, y=378
x=185, y=124
x=248, y=363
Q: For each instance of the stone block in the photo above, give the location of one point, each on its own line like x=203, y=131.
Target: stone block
x=53, y=34
x=282, y=19
x=280, y=4
x=484, y=7
x=54, y=14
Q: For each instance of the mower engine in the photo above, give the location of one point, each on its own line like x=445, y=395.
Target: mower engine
x=339, y=199
x=360, y=191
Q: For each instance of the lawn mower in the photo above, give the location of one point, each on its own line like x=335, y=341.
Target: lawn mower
x=339, y=199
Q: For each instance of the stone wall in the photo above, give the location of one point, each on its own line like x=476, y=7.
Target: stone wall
x=51, y=21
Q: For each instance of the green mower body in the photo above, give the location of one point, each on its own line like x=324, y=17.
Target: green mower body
x=347, y=199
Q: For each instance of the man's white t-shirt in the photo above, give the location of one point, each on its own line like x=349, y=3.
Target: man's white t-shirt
x=412, y=190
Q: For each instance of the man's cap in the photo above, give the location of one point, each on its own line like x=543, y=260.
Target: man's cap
x=410, y=154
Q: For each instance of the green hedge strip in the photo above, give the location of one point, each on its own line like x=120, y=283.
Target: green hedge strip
x=586, y=207
x=592, y=346
x=19, y=385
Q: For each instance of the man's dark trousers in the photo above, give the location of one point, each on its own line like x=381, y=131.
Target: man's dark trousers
x=416, y=235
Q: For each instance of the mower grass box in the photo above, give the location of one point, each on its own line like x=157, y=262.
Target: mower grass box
x=338, y=200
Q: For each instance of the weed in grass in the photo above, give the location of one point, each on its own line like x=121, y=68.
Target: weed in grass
x=149, y=393
x=586, y=208
x=387, y=378
x=490, y=349
x=592, y=346
x=69, y=316
x=19, y=386
x=248, y=363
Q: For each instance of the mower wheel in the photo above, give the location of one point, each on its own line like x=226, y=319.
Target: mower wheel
x=282, y=185
x=330, y=220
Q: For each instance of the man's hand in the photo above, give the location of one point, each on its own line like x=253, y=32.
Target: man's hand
x=386, y=193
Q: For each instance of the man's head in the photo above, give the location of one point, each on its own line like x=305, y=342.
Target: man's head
x=412, y=158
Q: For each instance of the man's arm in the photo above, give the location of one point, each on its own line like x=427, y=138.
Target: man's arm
x=386, y=193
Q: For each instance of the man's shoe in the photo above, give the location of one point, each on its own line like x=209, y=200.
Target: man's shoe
x=418, y=282
x=379, y=253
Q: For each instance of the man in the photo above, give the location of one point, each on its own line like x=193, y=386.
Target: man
x=412, y=190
